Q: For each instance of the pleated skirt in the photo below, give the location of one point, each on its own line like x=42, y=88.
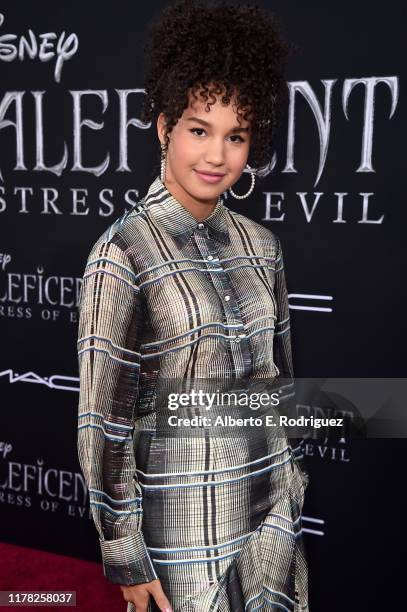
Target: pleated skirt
x=222, y=521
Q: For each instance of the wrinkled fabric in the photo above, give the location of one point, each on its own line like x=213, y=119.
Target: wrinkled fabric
x=248, y=500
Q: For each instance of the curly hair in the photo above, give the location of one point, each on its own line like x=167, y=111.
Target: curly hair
x=218, y=49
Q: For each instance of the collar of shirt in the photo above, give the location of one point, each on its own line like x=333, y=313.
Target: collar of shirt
x=178, y=221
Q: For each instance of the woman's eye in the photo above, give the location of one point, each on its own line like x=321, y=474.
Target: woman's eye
x=193, y=130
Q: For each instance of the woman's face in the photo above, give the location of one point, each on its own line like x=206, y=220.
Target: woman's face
x=205, y=142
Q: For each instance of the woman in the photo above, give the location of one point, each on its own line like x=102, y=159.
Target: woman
x=183, y=293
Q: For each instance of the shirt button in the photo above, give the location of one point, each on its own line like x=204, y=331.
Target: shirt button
x=201, y=225
x=210, y=257
x=239, y=337
x=227, y=298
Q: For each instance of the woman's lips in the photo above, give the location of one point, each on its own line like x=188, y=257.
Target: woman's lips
x=209, y=178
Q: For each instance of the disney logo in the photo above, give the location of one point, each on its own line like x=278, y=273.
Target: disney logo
x=5, y=448
x=47, y=46
x=5, y=258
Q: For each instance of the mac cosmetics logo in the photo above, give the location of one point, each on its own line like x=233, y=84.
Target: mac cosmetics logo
x=56, y=381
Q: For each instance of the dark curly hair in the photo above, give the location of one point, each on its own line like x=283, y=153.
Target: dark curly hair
x=218, y=48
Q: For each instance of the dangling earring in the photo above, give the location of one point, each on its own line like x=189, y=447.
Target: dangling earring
x=253, y=177
x=163, y=161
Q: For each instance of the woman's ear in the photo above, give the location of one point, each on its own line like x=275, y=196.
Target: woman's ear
x=161, y=125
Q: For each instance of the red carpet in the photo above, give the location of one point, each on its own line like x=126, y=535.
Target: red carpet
x=27, y=569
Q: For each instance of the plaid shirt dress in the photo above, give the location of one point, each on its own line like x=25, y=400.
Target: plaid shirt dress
x=167, y=300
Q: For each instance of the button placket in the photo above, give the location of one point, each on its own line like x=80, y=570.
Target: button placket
x=239, y=341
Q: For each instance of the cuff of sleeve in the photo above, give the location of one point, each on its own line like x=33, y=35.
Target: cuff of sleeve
x=126, y=560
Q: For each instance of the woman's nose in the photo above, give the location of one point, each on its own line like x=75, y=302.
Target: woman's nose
x=215, y=153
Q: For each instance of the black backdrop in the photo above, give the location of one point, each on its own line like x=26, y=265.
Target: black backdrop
x=341, y=219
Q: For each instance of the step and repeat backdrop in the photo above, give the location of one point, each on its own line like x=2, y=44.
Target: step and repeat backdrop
x=74, y=156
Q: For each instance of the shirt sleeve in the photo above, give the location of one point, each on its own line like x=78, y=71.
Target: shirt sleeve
x=282, y=354
x=110, y=315
x=282, y=333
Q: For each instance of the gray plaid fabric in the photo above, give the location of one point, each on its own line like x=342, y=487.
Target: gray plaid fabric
x=217, y=519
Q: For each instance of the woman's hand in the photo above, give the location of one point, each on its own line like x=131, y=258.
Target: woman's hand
x=139, y=595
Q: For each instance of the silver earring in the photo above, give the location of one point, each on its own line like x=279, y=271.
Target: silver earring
x=253, y=177
x=163, y=161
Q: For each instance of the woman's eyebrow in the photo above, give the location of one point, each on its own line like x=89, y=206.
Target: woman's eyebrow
x=207, y=124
